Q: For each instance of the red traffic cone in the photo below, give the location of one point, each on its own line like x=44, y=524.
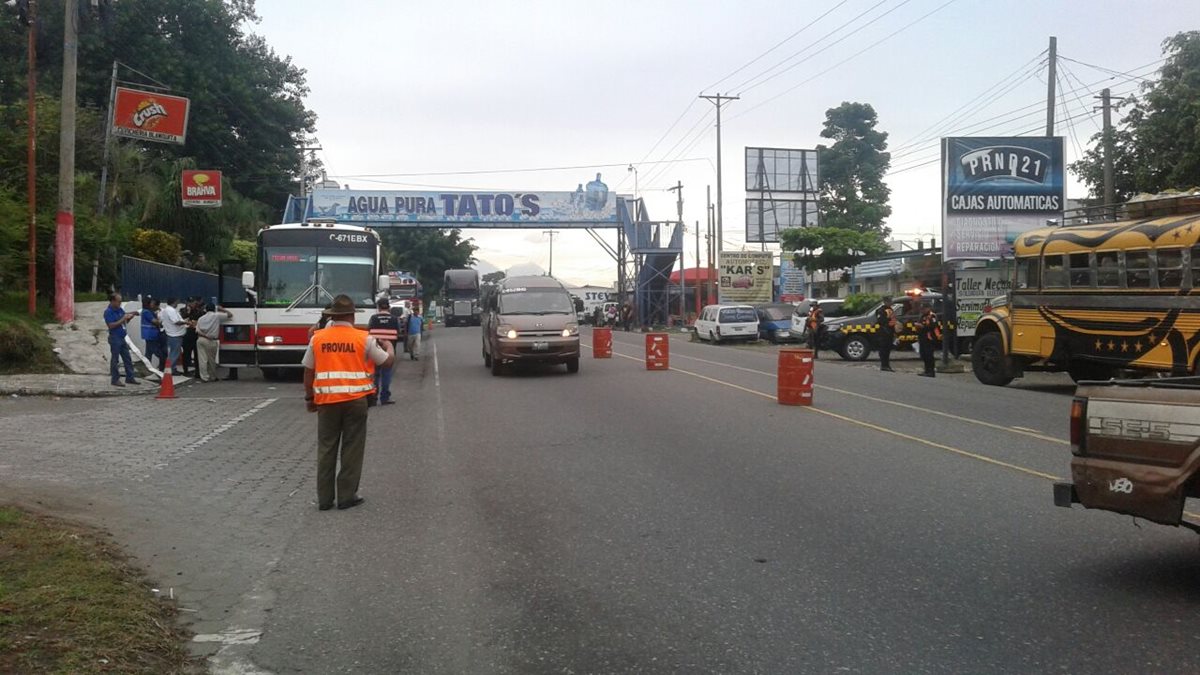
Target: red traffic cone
x=166, y=387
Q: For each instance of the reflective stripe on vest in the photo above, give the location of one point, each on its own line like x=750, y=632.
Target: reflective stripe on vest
x=343, y=372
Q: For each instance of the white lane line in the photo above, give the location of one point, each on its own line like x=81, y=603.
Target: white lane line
x=1033, y=433
x=189, y=448
x=437, y=388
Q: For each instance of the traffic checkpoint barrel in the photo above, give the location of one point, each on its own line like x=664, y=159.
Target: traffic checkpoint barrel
x=602, y=343
x=795, y=377
x=658, y=351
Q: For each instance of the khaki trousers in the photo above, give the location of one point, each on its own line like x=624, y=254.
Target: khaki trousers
x=206, y=355
x=340, y=426
x=414, y=345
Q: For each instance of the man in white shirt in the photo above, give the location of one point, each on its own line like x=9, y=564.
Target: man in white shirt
x=175, y=328
x=208, y=332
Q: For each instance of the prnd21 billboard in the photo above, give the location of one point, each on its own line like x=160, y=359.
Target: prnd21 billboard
x=200, y=188
x=150, y=116
x=745, y=276
x=594, y=206
x=995, y=188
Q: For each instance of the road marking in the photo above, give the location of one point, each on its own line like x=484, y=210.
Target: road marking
x=999, y=427
x=191, y=447
x=437, y=388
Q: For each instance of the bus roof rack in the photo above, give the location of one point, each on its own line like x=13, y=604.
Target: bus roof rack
x=1142, y=206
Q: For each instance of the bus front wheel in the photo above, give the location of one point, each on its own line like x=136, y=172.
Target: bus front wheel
x=989, y=361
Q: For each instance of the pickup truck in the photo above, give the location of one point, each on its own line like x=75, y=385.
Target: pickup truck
x=1136, y=448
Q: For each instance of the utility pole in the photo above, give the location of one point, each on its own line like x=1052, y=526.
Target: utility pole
x=1106, y=99
x=678, y=190
x=1051, y=78
x=31, y=159
x=304, y=150
x=64, y=240
x=697, y=303
x=112, y=95
x=551, y=233
x=709, y=240
x=719, y=100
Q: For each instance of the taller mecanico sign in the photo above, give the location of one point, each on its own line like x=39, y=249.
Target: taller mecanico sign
x=995, y=188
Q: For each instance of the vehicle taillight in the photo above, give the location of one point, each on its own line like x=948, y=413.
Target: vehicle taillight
x=1078, y=425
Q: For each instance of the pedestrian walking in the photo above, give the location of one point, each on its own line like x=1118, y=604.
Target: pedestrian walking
x=816, y=327
x=339, y=367
x=208, y=334
x=626, y=316
x=930, y=332
x=175, y=328
x=412, y=339
x=191, y=313
x=885, y=331
x=116, y=318
x=152, y=334
x=384, y=325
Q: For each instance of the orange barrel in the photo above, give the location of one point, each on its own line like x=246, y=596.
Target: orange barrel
x=601, y=343
x=658, y=351
x=795, y=377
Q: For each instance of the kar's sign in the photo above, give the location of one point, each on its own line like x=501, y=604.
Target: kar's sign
x=582, y=208
x=201, y=188
x=150, y=116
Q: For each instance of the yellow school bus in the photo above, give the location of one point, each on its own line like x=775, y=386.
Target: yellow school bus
x=1095, y=298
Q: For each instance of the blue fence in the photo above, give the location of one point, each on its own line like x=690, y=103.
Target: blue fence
x=143, y=277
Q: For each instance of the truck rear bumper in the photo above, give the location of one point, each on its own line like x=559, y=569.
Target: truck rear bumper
x=1065, y=495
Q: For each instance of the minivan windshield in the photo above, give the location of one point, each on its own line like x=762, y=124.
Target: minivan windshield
x=738, y=315
x=535, y=301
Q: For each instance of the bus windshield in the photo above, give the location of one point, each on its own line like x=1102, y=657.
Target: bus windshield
x=314, y=275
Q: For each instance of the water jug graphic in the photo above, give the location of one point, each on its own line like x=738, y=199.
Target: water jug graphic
x=577, y=197
x=597, y=194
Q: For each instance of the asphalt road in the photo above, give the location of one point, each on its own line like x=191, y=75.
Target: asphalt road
x=620, y=520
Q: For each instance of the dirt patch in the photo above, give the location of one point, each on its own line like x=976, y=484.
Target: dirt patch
x=71, y=602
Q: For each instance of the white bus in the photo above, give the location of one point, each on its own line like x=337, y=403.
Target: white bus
x=300, y=268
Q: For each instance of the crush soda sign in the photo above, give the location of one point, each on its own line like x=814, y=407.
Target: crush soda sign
x=201, y=188
x=150, y=116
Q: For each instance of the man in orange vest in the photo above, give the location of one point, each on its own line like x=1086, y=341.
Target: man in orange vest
x=339, y=375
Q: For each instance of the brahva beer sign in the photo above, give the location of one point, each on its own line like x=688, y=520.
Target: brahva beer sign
x=201, y=188
x=150, y=116
x=745, y=276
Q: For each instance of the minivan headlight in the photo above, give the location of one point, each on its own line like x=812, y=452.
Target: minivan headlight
x=571, y=329
x=507, y=332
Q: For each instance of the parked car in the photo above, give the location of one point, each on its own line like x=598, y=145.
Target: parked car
x=775, y=322
x=854, y=337
x=718, y=323
x=831, y=307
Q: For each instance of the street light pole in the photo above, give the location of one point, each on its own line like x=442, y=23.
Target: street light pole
x=551, y=233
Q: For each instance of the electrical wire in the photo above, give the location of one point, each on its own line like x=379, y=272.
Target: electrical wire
x=1066, y=74
x=1062, y=98
x=1110, y=71
x=494, y=171
x=851, y=57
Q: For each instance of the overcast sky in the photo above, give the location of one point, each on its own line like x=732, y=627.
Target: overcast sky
x=427, y=88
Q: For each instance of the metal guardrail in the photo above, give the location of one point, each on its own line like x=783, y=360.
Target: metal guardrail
x=144, y=277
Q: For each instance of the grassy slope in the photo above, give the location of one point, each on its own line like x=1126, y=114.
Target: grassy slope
x=24, y=345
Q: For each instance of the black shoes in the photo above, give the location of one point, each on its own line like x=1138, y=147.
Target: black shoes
x=927, y=374
x=351, y=504
x=887, y=369
x=387, y=402
x=324, y=507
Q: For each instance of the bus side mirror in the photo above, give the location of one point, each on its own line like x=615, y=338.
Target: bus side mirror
x=247, y=280
x=382, y=284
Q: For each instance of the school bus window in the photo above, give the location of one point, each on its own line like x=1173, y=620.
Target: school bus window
x=1196, y=267
x=1169, y=263
x=1108, y=272
x=1137, y=269
x=1081, y=269
x=1054, y=271
x=1027, y=272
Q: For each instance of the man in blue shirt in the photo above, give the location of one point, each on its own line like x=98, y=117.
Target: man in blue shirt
x=156, y=345
x=413, y=339
x=116, y=318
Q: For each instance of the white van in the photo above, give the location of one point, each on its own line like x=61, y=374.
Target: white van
x=727, y=322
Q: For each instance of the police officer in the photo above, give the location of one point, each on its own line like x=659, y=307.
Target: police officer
x=386, y=327
x=885, y=330
x=928, y=333
x=816, y=326
x=339, y=369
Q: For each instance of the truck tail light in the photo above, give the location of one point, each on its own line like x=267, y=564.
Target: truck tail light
x=1078, y=425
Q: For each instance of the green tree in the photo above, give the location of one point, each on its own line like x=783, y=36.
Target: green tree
x=493, y=277
x=829, y=249
x=1157, y=144
x=245, y=251
x=156, y=246
x=427, y=254
x=853, y=194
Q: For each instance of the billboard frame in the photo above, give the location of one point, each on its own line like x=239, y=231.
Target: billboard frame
x=806, y=175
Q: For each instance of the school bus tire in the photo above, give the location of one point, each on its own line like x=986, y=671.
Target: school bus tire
x=988, y=360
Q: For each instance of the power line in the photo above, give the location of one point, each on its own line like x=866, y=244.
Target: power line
x=1110, y=71
x=1062, y=97
x=851, y=57
x=1067, y=75
x=777, y=45
x=742, y=87
x=493, y=171
x=664, y=136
